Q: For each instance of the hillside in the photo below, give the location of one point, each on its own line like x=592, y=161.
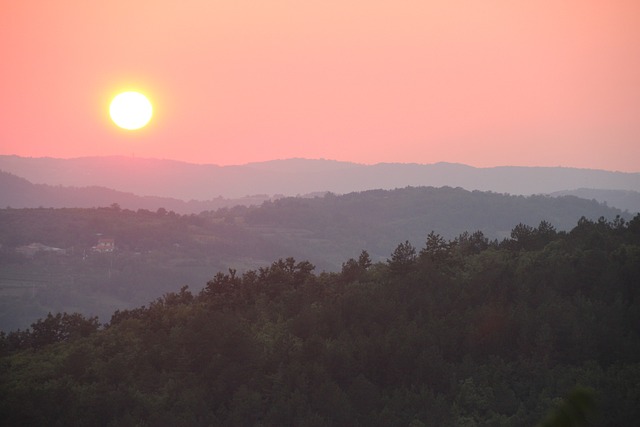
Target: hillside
x=621, y=199
x=164, y=178
x=339, y=226
x=159, y=250
x=451, y=333
x=16, y=192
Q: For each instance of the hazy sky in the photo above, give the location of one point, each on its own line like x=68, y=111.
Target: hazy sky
x=481, y=82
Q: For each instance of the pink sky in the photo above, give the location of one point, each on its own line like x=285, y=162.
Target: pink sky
x=485, y=83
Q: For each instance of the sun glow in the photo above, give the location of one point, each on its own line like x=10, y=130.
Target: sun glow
x=130, y=110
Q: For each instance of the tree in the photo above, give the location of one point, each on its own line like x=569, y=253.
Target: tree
x=61, y=327
x=364, y=260
x=471, y=243
x=522, y=236
x=437, y=249
x=403, y=258
x=353, y=270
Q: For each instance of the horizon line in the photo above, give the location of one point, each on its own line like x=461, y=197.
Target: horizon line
x=317, y=159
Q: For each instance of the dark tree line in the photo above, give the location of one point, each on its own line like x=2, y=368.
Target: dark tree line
x=461, y=332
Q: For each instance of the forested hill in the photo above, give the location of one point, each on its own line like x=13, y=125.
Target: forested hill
x=621, y=199
x=450, y=333
x=313, y=228
x=378, y=219
x=157, y=251
x=18, y=192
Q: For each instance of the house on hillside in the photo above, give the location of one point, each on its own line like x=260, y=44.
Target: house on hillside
x=104, y=246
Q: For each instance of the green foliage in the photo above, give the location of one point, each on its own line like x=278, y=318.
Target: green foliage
x=468, y=332
x=573, y=411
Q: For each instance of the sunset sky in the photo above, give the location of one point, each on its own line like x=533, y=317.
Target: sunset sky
x=485, y=83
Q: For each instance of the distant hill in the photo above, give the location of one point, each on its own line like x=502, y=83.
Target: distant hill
x=16, y=192
x=621, y=199
x=336, y=227
x=158, y=251
x=185, y=181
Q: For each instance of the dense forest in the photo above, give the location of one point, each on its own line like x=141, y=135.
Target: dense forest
x=158, y=251
x=466, y=331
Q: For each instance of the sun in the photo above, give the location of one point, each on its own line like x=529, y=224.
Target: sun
x=130, y=110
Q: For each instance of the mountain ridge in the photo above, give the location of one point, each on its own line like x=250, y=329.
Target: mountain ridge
x=17, y=192
x=290, y=177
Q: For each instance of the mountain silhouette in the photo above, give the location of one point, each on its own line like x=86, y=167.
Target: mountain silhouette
x=186, y=181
